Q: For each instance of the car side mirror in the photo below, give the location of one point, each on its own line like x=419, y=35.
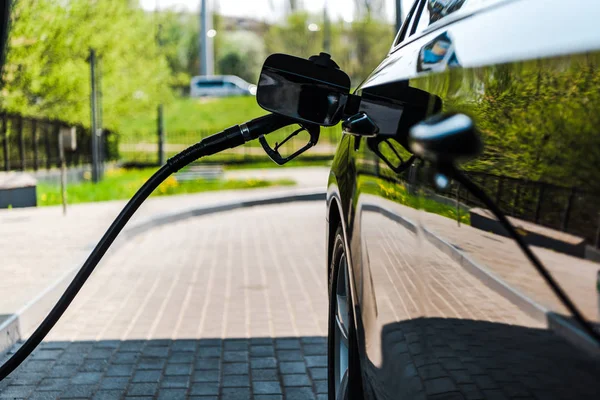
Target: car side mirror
x=313, y=91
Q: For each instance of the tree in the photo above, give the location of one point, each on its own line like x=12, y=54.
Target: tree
x=241, y=53
x=47, y=74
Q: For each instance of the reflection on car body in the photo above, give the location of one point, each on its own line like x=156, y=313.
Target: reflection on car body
x=445, y=305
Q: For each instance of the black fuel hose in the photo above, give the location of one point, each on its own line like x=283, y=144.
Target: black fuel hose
x=229, y=138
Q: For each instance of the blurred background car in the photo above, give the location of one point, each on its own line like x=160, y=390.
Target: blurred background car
x=220, y=86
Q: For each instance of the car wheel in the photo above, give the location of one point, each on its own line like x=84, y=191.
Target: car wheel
x=343, y=365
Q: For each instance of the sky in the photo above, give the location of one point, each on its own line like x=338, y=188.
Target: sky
x=272, y=9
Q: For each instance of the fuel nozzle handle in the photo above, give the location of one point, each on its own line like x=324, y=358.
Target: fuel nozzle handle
x=264, y=125
x=229, y=138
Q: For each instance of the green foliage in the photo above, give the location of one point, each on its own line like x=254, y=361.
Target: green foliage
x=358, y=47
x=241, y=53
x=178, y=41
x=122, y=184
x=538, y=118
x=47, y=74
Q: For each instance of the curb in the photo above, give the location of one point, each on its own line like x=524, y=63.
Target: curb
x=26, y=319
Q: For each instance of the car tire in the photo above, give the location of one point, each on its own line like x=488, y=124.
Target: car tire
x=343, y=365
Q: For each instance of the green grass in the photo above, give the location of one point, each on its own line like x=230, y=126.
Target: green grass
x=190, y=115
x=121, y=184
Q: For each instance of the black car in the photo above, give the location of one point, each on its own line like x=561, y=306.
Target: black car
x=430, y=297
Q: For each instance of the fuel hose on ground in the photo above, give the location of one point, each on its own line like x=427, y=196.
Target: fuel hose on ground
x=229, y=138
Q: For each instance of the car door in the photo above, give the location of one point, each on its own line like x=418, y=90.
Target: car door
x=449, y=306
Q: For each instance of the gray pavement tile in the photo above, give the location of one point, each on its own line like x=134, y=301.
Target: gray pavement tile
x=114, y=383
x=125, y=358
x=151, y=363
x=204, y=389
x=43, y=396
x=287, y=344
x=63, y=371
x=178, y=369
x=209, y=363
x=156, y=351
x=142, y=389
x=290, y=355
x=299, y=393
x=24, y=377
x=235, y=356
x=236, y=381
x=236, y=393
x=131, y=345
x=214, y=342
x=185, y=345
x=175, y=382
x=209, y=352
x=46, y=354
x=147, y=376
x=318, y=373
x=107, y=344
x=78, y=391
x=171, y=394
x=236, y=344
x=266, y=388
x=15, y=392
x=261, y=341
x=94, y=366
x=108, y=395
x=296, y=380
x=314, y=349
x=206, y=376
x=120, y=370
x=314, y=340
x=262, y=351
x=55, y=345
x=316, y=361
x=235, y=368
x=203, y=398
x=181, y=357
x=321, y=386
x=265, y=375
x=100, y=354
x=53, y=384
x=86, y=378
x=263, y=362
x=293, y=367
x=268, y=397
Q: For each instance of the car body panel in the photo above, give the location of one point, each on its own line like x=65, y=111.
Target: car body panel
x=445, y=303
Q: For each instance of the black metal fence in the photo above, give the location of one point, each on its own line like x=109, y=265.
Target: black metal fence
x=32, y=143
x=143, y=148
x=568, y=209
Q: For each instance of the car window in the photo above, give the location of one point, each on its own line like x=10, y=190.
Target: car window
x=229, y=85
x=433, y=11
x=209, y=84
x=407, y=23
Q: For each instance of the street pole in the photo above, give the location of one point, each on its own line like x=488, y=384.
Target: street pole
x=161, y=134
x=206, y=43
x=398, y=15
x=94, y=117
x=326, y=30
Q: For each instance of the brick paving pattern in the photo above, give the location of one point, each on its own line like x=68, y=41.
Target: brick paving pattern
x=205, y=308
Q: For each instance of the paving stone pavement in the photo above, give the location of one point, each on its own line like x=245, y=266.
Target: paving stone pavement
x=204, y=308
x=40, y=245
